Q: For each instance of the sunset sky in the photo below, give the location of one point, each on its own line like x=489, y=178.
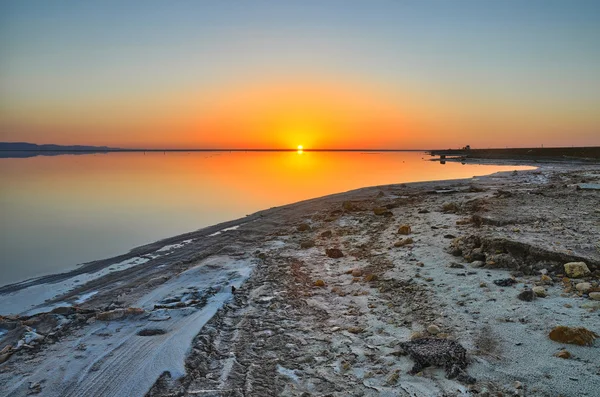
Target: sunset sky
x=323, y=74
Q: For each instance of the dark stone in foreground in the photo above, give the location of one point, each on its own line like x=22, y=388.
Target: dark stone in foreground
x=527, y=295
x=151, y=332
x=444, y=353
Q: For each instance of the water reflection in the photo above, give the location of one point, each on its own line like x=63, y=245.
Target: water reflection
x=64, y=210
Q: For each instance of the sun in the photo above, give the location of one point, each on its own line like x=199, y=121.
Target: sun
x=300, y=147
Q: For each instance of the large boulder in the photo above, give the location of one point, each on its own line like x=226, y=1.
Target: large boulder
x=576, y=269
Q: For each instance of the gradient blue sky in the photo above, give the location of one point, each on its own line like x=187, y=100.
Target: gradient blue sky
x=495, y=73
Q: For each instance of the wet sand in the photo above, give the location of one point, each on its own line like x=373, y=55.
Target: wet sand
x=164, y=320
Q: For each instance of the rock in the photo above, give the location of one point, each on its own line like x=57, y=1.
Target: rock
x=450, y=236
x=433, y=329
x=527, y=295
x=319, y=283
x=576, y=269
x=403, y=242
x=404, y=229
x=482, y=285
x=444, y=353
x=595, y=296
x=576, y=336
x=563, y=354
x=583, y=287
x=423, y=211
x=454, y=265
x=303, y=227
x=326, y=234
x=518, y=385
x=307, y=244
x=546, y=280
x=539, y=291
x=356, y=273
x=477, y=264
x=505, y=282
x=151, y=332
x=334, y=253
x=382, y=211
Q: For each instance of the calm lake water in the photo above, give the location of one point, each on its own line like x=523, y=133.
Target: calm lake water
x=57, y=212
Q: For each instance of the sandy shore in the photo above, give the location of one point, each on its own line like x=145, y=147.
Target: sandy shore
x=342, y=295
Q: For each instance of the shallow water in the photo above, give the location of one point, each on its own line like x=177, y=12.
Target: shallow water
x=60, y=211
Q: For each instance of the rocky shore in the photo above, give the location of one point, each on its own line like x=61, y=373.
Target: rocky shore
x=487, y=286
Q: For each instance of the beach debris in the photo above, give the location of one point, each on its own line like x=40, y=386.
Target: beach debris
x=334, y=253
x=505, y=282
x=527, y=295
x=583, y=287
x=594, y=296
x=404, y=229
x=319, y=283
x=576, y=336
x=539, y=291
x=576, y=269
x=307, y=244
x=303, y=227
x=444, y=353
x=151, y=332
x=564, y=354
x=403, y=242
x=382, y=211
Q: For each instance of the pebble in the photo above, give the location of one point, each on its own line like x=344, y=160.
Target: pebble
x=539, y=291
x=477, y=264
x=527, y=295
x=433, y=329
x=583, y=287
x=595, y=296
x=563, y=354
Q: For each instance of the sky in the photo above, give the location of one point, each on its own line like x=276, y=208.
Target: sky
x=393, y=74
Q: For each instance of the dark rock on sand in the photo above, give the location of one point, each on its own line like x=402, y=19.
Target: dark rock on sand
x=505, y=282
x=334, y=253
x=303, y=227
x=151, y=332
x=527, y=295
x=575, y=336
x=444, y=353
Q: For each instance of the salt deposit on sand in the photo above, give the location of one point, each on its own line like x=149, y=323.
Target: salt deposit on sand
x=303, y=322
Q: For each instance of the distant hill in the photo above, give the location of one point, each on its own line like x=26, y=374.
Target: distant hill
x=32, y=147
